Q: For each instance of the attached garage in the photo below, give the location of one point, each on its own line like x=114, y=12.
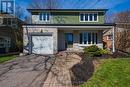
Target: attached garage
x=41, y=43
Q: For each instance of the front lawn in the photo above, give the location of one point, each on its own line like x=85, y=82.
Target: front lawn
x=110, y=73
x=6, y=58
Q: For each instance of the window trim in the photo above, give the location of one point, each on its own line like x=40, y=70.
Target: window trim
x=46, y=16
x=88, y=16
x=91, y=39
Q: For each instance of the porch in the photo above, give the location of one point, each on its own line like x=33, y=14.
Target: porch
x=76, y=38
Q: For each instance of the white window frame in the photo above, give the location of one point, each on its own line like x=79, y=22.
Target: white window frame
x=88, y=17
x=46, y=16
x=87, y=44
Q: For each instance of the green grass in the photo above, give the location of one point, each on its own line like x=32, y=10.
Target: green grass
x=110, y=73
x=4, y=59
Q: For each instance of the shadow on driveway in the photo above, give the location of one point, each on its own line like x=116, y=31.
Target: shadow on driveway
x=26, y=71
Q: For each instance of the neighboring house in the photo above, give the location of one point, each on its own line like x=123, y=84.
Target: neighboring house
x=9, y=32
x=54, y=30
x=108, y=35
x=108, y=39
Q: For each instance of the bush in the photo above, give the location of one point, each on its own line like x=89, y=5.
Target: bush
x=92, y=51
x=105, y=51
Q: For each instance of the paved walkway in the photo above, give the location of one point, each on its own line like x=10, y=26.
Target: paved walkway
x=59, y=76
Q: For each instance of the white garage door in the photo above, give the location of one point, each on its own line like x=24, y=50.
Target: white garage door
x=42, y=44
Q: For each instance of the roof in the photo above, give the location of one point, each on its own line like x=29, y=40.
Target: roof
x=71, y=26
x=64, y=10
x=7, y=16
x=105, y=24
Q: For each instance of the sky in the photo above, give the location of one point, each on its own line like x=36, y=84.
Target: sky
x=114, y=6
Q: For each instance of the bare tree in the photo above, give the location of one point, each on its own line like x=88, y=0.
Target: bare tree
x=122, y=32
x=19, y=12
x=27, y=19
x=109, y=18
x=45, y=4
x=122, y=17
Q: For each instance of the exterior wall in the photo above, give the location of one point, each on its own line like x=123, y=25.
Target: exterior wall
x=28, y=30
x=61, y=40
x=66, y=18
x=76, y=45
x=100, y=39
x=107, y=43
x=5, y=32
x=9, y=33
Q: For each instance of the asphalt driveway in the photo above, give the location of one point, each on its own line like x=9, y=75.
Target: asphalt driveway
x=27, y=71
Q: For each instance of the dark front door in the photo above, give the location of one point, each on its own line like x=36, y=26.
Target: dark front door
x=69, y=40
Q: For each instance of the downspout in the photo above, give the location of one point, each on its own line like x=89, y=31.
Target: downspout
x=113, y=40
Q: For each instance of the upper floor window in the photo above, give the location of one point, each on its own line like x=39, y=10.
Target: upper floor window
x=89, y=17
x=44, y=17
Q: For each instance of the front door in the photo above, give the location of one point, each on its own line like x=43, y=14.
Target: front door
x=69, y=40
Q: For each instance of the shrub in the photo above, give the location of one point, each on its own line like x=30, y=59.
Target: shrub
x=105, y=51
x=92, y=51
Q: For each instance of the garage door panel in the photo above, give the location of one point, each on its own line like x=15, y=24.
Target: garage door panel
x=42, y=44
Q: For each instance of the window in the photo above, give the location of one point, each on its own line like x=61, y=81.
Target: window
x=89, y=17
x=109, y=37
x=88, y=38
x=44, y=17
x=1, y=21
x=7, y=21
x=82, y=17
x=86, y=17
x=95, y=17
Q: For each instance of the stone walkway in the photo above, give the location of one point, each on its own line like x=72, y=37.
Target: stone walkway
x=59, y=76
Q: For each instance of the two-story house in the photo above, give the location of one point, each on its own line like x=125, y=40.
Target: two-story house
x=10, y=28
x=54, y=30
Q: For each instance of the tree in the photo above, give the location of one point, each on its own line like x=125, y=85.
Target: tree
x=27, y=19
x=122, y=32
x=19, y=13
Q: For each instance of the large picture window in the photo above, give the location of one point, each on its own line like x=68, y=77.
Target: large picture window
x=88, y=38
x=88, y=17
x=44, y=17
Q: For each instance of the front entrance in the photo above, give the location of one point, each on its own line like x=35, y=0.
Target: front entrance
x=68, y=40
